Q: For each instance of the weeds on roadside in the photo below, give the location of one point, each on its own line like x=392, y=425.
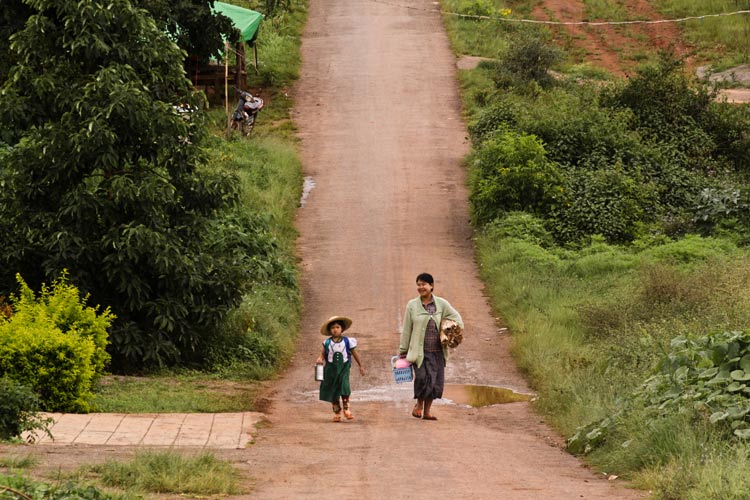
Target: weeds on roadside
x=170, y=472
x=18, y=462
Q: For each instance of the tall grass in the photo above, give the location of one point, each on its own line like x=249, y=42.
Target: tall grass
x=169, y=472
x=726, y=37
x=484, y=38
x=590, y=326
x=609, y=10
x=18, y=462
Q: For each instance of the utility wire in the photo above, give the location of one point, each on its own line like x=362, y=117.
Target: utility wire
x=564, y=23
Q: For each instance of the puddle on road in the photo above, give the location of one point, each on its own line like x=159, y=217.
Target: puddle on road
x=482, y=395
x=467, y=395
x=307, y=186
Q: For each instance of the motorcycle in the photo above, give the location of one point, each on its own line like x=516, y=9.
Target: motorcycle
x=248, y=107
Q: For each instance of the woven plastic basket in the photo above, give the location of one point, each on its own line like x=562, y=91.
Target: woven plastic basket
x=401, y=375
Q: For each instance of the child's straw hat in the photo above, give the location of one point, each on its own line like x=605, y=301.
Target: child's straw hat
x=346, y=321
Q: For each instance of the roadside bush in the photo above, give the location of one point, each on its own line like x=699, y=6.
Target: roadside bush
x=600, y=258
x=19, y=411
x=668, y=107
x=607, y=202
x=510, y=172
x=502, y=112
x=477, y=8
x=518, y=252
x=529, y=58
x=55, y=344
x=661, y=96
x=521, y=226
x=717, y=205
x=577, y=131
x=691, y=249
x=63, y=306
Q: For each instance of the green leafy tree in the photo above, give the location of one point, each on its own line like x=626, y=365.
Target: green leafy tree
x=193, y=24
x=12, y=17
x=668, y=107
x=102, y=176
x=511, y=172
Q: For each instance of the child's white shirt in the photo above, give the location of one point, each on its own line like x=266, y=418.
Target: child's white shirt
x=340, y=347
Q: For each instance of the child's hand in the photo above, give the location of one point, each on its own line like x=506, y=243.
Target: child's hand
x=319, y=361
x=362, y=370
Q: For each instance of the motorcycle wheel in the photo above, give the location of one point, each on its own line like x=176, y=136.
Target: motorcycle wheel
x=247, y=126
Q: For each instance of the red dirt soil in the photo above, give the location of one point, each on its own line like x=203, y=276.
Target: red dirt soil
x=614, y=48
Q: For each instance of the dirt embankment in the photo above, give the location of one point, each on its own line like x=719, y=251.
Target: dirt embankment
x=616, y=48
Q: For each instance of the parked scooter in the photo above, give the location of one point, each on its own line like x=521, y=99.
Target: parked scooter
x=248, y=107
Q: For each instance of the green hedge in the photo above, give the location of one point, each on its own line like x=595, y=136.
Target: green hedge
x=55, y=344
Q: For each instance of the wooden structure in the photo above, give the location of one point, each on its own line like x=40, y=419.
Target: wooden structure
x=216, y=77
x=210, y=77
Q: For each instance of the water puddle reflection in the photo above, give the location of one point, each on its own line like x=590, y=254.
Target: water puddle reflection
x=307, y=186
x=482, y=395
x=466, y=395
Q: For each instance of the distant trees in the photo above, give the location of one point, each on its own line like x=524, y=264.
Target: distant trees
x=192, y=24
x=101, y=175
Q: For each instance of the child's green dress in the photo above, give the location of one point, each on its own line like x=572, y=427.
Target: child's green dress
x=338, y=362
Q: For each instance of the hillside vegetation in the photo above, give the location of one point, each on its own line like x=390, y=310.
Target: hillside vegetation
x=613, y=222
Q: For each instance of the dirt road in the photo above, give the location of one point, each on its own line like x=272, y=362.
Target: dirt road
x=382, y=140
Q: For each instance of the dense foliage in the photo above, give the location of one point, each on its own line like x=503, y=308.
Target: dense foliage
x=708, y=376
x=12, y=17
x=19, y=411
x=102, y=176
x=19, y=487
x=654, y=154
x=55, y=344
x=192, y=24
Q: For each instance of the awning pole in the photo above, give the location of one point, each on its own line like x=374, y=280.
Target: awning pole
x=226, y=78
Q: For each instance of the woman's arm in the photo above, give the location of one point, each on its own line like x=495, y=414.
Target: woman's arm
x=452, y=314
x=403, y=346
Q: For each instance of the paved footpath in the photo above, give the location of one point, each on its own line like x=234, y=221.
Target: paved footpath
x=196, y=430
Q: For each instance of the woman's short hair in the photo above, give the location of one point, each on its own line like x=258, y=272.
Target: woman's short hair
x=427, y=278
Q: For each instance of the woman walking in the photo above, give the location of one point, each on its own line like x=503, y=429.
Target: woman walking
x=420, y=344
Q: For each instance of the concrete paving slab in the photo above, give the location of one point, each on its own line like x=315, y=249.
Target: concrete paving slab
x=131, y=430
x=225, y=431
x=195, y=430
x=164, y=430
x=202, y=430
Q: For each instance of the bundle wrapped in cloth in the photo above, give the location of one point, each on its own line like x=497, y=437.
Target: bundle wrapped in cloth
x=451, y=333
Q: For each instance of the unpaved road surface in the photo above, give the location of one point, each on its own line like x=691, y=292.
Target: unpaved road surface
x=382, y=139
x=382, y=142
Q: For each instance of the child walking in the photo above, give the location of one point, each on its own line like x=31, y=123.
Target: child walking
x=337, y=355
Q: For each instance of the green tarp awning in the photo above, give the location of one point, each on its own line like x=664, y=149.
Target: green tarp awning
x=245, y=20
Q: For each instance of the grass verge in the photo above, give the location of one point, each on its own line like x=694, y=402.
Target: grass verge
x=592, y=324
x=169, y=472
